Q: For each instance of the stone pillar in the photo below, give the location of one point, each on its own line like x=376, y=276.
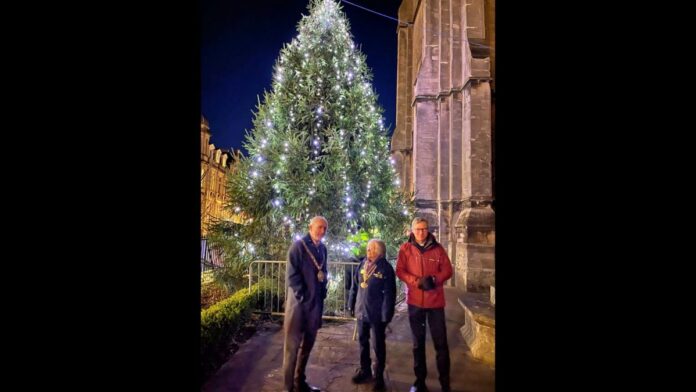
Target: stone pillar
x=402, y=138
x=442, y=140
x=475, y=266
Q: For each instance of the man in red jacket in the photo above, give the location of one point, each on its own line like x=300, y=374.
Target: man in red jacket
x=424, y=266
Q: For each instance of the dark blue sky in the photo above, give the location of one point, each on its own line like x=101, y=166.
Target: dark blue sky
x=240, y=41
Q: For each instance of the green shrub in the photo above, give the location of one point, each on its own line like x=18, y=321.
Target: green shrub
x=212, y=293
x=220, y=321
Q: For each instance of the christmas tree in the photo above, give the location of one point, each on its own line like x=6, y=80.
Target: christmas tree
x=318, y=147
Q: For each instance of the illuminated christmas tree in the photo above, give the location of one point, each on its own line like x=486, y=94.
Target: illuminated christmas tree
x=318, y=147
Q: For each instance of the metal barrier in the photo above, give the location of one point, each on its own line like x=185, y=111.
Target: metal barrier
x=271, y=276
x=271, y=297
x=206, y=266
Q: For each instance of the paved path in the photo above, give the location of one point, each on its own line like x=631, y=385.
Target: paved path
x=256, y=366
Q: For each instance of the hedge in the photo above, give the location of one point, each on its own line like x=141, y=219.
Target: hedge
x=220, y=321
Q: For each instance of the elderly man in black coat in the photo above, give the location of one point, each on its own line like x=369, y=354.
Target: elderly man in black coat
x=371, y=302
x=305, y=277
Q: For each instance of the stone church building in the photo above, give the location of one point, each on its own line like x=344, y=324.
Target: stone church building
x=443, y=139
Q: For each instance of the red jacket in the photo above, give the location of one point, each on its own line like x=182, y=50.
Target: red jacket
x=414, y=263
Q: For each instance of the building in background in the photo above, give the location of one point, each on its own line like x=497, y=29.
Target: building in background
x=215, y=165
x=443, y=139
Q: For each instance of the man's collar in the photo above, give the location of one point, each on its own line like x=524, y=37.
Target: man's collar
x=373, y=262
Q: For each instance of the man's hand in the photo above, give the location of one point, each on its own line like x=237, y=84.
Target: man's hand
x=426, y=283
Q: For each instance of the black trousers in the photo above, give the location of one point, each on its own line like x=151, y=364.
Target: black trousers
x=438, y=331
x=377, y=330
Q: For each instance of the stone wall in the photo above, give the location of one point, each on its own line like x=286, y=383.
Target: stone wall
x=442, y=140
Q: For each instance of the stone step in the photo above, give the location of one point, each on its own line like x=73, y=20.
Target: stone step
x=479, y=325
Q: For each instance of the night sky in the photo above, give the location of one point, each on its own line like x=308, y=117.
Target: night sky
x=241, y=40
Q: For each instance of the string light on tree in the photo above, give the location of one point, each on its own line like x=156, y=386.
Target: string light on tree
x=322, y=104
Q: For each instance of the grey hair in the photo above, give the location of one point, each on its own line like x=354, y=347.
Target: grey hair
x=380, y=244
x=418, y=220
x=318, y=217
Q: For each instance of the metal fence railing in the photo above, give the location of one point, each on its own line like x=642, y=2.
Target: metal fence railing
x=271, y=296
x=211, y=258
x=206, y=266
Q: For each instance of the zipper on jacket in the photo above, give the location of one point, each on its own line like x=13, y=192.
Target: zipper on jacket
x=420, y=255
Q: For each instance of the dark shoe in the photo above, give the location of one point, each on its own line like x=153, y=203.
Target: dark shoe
x=418, y=387
x=361, y=376
x=309, y=388
x=379, y=385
